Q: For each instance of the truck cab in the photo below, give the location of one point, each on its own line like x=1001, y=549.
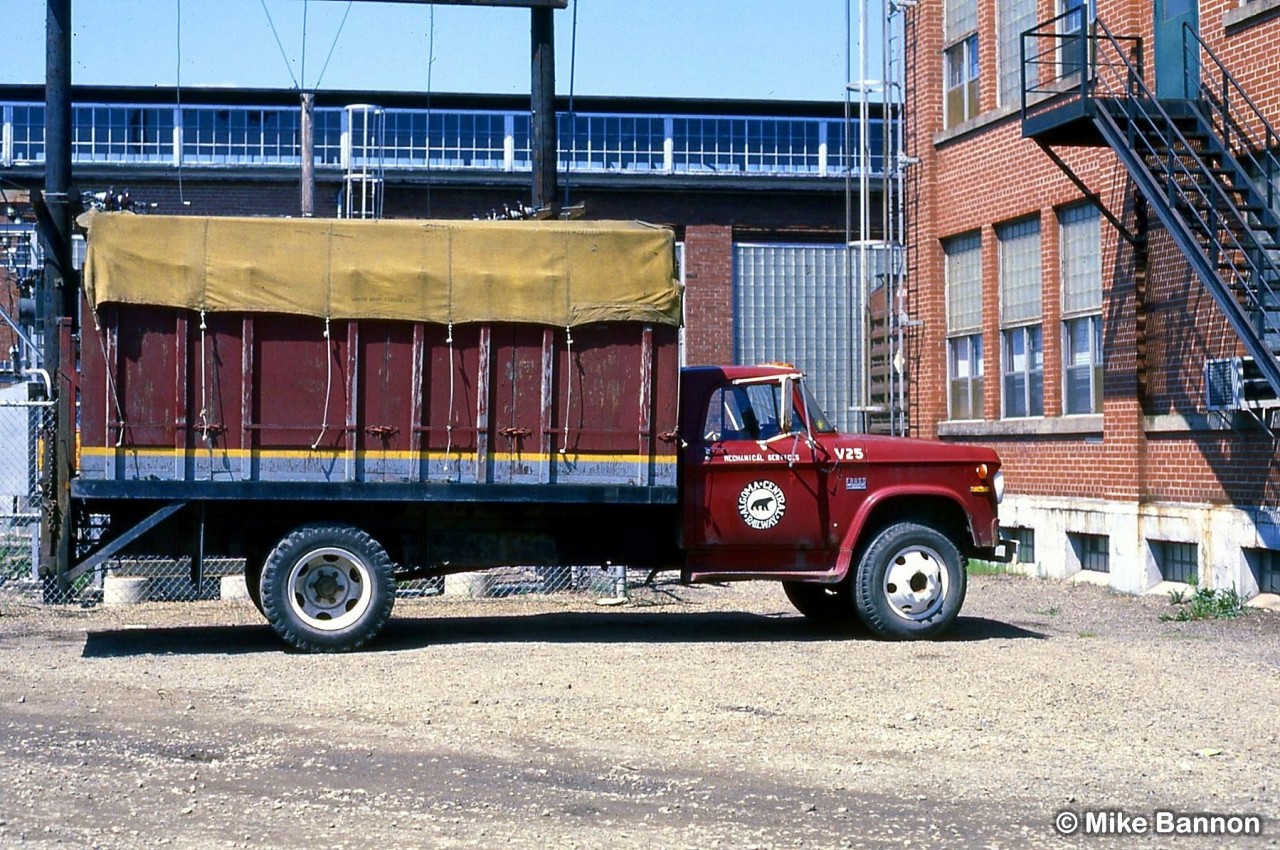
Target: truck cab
x=880, y=526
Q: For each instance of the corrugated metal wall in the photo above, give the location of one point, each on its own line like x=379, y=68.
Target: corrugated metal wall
x=795, y=303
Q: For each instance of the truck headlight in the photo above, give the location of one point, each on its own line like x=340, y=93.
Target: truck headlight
x=997, y=484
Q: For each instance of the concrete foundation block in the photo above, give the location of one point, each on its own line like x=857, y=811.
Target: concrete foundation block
x=233, y=588
x=473, y=585
x=125, y=590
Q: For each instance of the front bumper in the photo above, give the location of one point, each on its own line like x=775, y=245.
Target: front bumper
x=1002, y=553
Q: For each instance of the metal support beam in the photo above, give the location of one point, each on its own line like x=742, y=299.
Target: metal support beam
x=117, y=545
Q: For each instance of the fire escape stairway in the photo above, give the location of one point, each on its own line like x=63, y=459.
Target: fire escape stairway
x=1206, y=165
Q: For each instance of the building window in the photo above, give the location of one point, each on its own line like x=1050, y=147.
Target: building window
x=1081, y=253
x=1092, y=551
x=1022, y=341
x=1013, y=17
x=1026, y=540
x=1265, y=565
x=960, y=61
x=964, y=326
x=1176, y=561
x=964, y=369
x=1082, y=371
x=1071, y=32
x=1023, y=372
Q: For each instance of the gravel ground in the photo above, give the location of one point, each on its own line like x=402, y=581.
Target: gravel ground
x=691, y=717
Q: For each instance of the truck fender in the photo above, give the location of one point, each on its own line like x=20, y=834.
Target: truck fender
x=853, y=533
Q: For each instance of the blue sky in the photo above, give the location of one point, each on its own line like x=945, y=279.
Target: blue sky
x=678, y=48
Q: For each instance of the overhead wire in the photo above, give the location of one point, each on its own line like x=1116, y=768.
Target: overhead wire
x=283, y=54
x=303, y=70
x=336, y=36
x=177, y=96
x=573, y=135
x=431, y=61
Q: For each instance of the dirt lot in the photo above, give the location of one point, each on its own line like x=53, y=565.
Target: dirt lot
x=704, y=717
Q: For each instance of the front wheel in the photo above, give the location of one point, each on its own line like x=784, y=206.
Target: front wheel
x=327, y=588
x=910, y=582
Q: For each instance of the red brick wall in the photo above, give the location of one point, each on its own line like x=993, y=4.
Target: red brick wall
x=708, y=263
x=1155, y=341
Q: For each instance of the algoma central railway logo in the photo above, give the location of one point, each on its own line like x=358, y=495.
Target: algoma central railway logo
x=762, y=504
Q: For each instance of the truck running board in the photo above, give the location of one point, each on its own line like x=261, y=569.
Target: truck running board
x=111, y=549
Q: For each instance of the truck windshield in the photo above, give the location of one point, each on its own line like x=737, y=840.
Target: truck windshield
x=754, y=412
x=819, y=423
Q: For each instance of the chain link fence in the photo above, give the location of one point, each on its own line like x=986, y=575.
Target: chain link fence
x=25, y=425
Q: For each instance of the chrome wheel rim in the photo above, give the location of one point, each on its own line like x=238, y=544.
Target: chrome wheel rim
x=916, y=583
x=330, y=588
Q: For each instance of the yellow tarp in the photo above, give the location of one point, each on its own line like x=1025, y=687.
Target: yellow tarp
x=548, y=272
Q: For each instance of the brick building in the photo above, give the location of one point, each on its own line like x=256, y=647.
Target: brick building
x=755, y=190
x=1093, y=249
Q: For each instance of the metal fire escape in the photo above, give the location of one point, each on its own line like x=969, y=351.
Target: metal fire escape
x=1206, y=163
x=876, y=222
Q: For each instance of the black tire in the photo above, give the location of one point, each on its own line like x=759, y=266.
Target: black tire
x=253, y=577
x=826, y=604
x=327, y=588
x=910, y=582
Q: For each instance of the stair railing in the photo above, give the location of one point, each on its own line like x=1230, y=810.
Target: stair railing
x=1217, y=236
x=1249, y=136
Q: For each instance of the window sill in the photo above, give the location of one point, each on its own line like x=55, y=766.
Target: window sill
x=978, y=123
x=1249, y=13
x=1057, y=426
x=1173, y=423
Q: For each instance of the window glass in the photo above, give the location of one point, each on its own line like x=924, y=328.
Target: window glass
x=1081, y=260
x=1023, y=372
x=961, y=18
x=1013, y=17
x=1020, y=282
x=1082, y=362
x=744, y=412
x=964, y=283
x=966, y=377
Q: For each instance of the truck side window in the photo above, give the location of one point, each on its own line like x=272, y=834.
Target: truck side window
x=743, y=412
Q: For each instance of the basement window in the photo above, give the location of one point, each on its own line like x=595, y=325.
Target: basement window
x=1026, y=540
x=1265, y=566
x=1092, y=551
x=1176, y=561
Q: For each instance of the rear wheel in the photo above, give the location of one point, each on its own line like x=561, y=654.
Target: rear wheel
x=253, y=577
x=828, y=604
x=910, y=582
x=327, y=588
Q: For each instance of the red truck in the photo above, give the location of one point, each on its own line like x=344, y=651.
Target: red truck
x=347, y=404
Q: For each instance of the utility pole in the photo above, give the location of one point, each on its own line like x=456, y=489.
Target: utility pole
x=61, y=287
x=543, y=106
x=308, y=204
x=60, y=296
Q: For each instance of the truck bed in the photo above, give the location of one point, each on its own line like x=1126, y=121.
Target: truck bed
x=266, y=398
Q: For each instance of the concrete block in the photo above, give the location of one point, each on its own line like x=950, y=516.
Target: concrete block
x=473, y=585
x=233, y=588
x=125, y=590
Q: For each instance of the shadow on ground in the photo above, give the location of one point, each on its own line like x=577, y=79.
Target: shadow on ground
x=567, y=627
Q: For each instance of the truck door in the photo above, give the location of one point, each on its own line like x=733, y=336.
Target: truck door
x=760, y=492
